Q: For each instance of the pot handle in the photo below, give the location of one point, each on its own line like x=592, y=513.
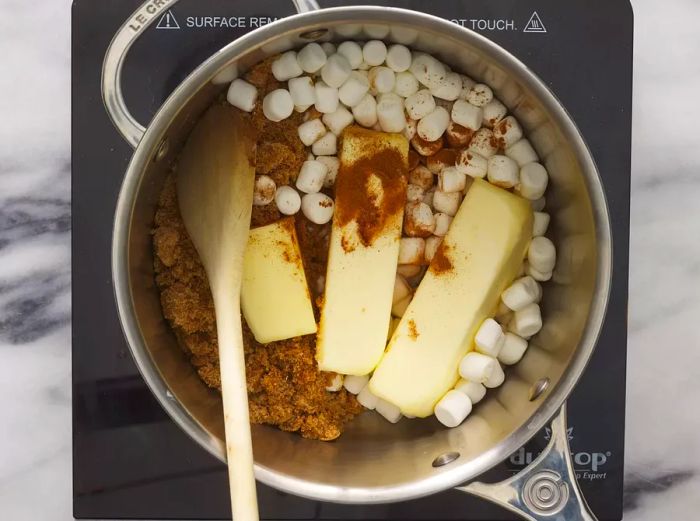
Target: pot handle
x=130, y=129
x=546, y=490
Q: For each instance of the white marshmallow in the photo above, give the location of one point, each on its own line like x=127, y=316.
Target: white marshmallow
x=442, y=224
x=472, y=164
x=538, y=204
x=467, y=84
x=429, y=196
x=420, y=104
x=354, y=384
x=405, y=84
x=408, y=270
x=333, y=165
x=411, y=250
x=374, y=52
x=521, y=293
x=318, y=208
x=426, y=148
x=311, y=131
x=431, y=247
x=367, y=399
x=336, y=70
x=447, y=202
x=326, y=98
x=540, y=224
x=302, y=92
x=542, y=255
x=336, y=384
x=381, y=80
x=508, y=131
x=389, y=411
x=403, y=35
x=278, y=105
x=264, y=190
x=449, y=88
x=348, y=31
x=433, y=126
x=338, y=120
x=489, y=338
x=354, y=89
x=476, y=367
x=526, y=321
x=522, y=152
x=288, y=200
x=311, y=57
x=398, y=58
x=480, y=95
x=377, y=31
x=390, y=112
x=496, y=379
x=513, y=349
x=451, y=179
x=286, y=67
x=401, y=289
x=410, y=129
x=418, y=220
x=242, y=94
x=427, y=70
x=414, y=193
x=326, y=145
x=540, y=276
x=493, y=112
x=365, y=111
x=484, y=143
x=421, y=176
x=328, y=48
x=311, y=177
x=352, y=52
x=533, y=181
x=467, y=115
x=474, y=390
x=453, y=408
x=502, y=171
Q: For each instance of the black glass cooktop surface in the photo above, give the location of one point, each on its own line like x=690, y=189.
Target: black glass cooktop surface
x=130, y=460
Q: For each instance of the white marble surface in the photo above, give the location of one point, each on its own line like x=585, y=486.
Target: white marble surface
x=663, y=429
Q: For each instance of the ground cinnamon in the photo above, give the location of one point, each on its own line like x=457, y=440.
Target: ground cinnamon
x=441, y=263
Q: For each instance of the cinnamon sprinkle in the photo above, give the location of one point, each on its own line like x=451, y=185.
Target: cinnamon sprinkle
x=441, y=262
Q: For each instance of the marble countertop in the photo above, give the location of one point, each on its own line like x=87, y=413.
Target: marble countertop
x=662, y=444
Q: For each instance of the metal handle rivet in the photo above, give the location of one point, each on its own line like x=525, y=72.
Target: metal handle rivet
x=538, y=388
x=163, y=149
x=313, y=35
x=445, y=459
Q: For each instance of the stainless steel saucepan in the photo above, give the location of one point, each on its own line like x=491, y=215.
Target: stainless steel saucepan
x=375, y=461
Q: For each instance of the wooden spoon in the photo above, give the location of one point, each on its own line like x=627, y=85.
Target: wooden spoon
x=215, y=178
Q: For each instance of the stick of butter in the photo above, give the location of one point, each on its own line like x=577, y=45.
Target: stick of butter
x=480, y=255
x=370, y=194
x=275, y=298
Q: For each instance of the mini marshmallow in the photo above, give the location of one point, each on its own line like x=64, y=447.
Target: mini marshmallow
x=496, y=379
x=480, y=95
x=365, y=112
x=390, y=113
x=338, y=120
x=508, y=131
x=540, y=276
x=521, y=293
x=242, y=95
x=431, y=247
x=449, y=88
x=467, y=115
x=399, y=308
x=348, y=30
x=472, y=164
x=405, y=84
x=420, y=104
x=428, y=197
x=367, y=399
x=389, y=411
x=288, y=200
x=401, y=289
x=476, y=367
x=364, y=67
x=286, y=67
x=403, y=35
x=302, y=92
x=317, y=207
x=311, y=58
x=311, y=177
x=326, y=98
x=452, y=180
x=414, y=193
x=398, y=58
x=336, y=384
x=411, y=250
x=336, y=70
x=326, y=145
x=427, y=70
x=381, y=80
x=421, y=176
x=447, y=202
x=489, y=338
x=484, y=143
x=352, y=52
x=418, y=220
x=457, y=135
x=443, y=159
x=376, y=31
x=540, y=224
x=410, y=129
x=354, y=384
x=311, y=131
x=374, y=52
x=426, y=148
x=328, y=48
x=538, y=204
x=493, y=112
x=264, y=190
x=467, y=84
x=502, y=171
x=526, y=321
x=522, y=152
x=474, y=390
x=278, y=105
x=433, y=126
x=453, y=408
x=354, y=89
x=533, y=181
x=442, y=224
x=333, y=165
x=542, y=255
x=513, y=349
x=408, y=270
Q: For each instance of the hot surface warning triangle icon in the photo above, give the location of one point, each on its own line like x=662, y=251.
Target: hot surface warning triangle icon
x=168, y=21
x=535, y=25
